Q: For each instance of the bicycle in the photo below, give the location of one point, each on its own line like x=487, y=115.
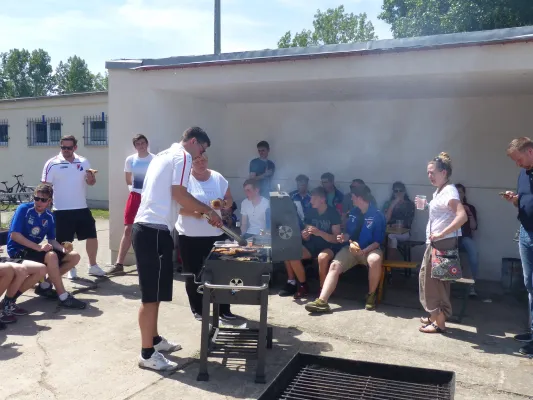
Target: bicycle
x=14, y=195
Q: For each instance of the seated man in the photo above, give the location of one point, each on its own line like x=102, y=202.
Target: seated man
x=322, y=226
x=301, y=195
x=31, y=223
x=254, y=210
x=365, y=231
x=334, y=196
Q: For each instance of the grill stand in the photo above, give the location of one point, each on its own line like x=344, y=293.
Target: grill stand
x=210, y=336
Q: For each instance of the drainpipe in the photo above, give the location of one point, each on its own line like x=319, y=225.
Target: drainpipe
x=217, y=27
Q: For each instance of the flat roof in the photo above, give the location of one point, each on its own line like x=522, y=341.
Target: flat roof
x=464, y=39
x=53, y=97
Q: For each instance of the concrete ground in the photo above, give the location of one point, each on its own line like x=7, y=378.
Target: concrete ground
x=61, y=354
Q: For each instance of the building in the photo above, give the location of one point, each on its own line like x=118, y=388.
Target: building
x=377, y=111
x=30, y=129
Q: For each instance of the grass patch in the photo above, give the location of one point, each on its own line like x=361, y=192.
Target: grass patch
x=99, y=213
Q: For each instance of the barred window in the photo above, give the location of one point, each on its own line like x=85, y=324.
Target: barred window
x=95, y=130
x=4, y=133
x=44, y=131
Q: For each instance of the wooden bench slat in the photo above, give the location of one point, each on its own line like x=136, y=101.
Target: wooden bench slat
x=399, y=264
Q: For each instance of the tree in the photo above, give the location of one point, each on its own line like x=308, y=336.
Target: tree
x=332, y=27
x=40, y=73
x=100, y=82
x=431, y=17
x=73, y=76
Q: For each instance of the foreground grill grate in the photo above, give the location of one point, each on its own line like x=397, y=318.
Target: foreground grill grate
x=232, y=342
x=314, y=382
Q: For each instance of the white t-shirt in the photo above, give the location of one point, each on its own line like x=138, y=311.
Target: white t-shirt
x=171, y=167
x=440, y=214
x=213, y=188
x=68, y=180
x=256, y=215
x=138, y=167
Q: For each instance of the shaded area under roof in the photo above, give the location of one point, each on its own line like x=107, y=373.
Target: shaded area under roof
x=496, y=36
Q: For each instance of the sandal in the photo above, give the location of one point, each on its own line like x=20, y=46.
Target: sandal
x=434, y=326
x=426, y=320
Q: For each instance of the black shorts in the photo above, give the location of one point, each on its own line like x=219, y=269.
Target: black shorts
x=153, y=250
x=11, y=260
x=70, y=223
x=37, y=256
x=316, y=248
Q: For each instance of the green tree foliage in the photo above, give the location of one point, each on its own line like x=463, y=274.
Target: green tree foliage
x=333, y=26
x=73, y=76
x=100, y=82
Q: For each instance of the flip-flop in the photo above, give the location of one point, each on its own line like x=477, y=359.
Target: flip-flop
x=434, y=325
x=425, y=320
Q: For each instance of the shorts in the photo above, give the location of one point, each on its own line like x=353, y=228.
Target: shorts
x=70, y=223
x=132, y=206
x=11, y=260
x=348, y=260
x=153, y=250
x=37, y=256
x=315, y=249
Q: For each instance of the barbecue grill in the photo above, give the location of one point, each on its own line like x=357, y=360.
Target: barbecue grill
x=311, y=377
x=235, y=274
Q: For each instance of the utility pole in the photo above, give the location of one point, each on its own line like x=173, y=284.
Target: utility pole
x=217, y=27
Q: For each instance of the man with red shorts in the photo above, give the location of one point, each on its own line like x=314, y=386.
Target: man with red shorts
x=135, y=170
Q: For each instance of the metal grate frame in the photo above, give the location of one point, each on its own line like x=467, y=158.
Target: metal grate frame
x=44, y=131
x=4, y=133
x=95, y=130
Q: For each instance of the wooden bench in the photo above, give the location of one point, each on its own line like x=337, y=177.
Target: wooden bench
x=387, y=267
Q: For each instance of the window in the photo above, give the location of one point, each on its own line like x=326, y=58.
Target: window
x=95, y=130
x=4, y=130
x=44, y=131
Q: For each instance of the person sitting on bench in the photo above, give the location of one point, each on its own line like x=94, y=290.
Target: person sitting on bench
x=399, y=209
x=365, y=232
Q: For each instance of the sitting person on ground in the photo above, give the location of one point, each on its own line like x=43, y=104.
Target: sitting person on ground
x=31, y=223
x=322, y=226
x=466, y=240
x=365, y=232
x=301, y=195
x=399, y=211
x=334, y=195
x=253, y=210
x=25, y=274
x=262, y=169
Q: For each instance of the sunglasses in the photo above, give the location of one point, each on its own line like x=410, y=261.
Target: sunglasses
x=41, y=199
x=67, y=147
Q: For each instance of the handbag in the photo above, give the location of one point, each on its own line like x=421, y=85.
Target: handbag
x=446, y=264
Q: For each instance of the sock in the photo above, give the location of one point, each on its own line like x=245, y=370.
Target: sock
x=118, y=265
x=95, y=265
x=291, y=281
x=63, y=296
x=157, y=340
x=303, y=283
x=147, y=353
x=44, y=285
x=17, y=295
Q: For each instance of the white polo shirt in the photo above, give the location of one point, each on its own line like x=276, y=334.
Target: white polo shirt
x=68, y=180
x=256, y=215
x=171, y=167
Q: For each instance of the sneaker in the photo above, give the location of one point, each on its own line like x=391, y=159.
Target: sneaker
x=95, y=270
x=527, y=350
x=197, y=317
x=371, y=301
x=49, y=293
x=303, y=291
x=157, y=362
x=117, y=269
x=318, y=306
x=17, y=311
x=229, y=316
x=288, y=290
x=164, y=346
x=472, y=292
x=7, y=319
x=72, y=302
x=524, y=337
x=72, y=274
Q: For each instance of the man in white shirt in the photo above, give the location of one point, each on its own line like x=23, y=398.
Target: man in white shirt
x=69, y=174
x=254, y=210
x=164, y=193
x=135, y=169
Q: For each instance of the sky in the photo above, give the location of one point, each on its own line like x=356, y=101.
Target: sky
x=100, y=30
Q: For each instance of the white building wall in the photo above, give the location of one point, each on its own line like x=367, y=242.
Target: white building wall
x=19, y=158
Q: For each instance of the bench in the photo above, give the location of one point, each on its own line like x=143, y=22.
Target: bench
x=387, y=266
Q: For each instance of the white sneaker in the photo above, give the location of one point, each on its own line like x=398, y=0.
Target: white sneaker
x=157, y=362
x=72, y=274
x=95, y=270
x=164, y=346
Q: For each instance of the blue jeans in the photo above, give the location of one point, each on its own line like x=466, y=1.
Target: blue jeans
x=526, y=256
x=468, y=245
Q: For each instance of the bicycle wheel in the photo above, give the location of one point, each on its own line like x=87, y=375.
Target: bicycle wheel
x=4, y=201
x=24, y=195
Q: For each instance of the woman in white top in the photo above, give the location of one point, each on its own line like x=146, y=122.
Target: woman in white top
x=196, y=235
x=446, y=216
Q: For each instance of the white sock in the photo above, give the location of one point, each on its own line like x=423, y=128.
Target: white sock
x=95, y=265
x=291, y=282
x=45, y=285
x=63, y=296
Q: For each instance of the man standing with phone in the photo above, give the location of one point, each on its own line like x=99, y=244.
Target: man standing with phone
x=521, y=152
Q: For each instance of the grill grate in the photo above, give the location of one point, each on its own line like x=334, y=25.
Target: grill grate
x=232, y=342
x=318, y=383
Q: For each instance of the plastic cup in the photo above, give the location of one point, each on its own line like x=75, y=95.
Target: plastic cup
x=420, y=202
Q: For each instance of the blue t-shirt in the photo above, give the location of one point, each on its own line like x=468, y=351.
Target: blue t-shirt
x=31, y=225
x=372, y=229
x=259, y=167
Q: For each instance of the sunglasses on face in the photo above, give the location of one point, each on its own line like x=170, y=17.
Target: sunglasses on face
x=41, y=199
x=67, y=147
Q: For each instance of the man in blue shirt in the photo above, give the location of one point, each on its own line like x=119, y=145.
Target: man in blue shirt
x=32, y=223
x=521, y=152
x=262, y=169
x=301, y=195
x=365, y=229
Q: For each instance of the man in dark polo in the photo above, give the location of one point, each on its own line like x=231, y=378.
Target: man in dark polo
x=521, y=152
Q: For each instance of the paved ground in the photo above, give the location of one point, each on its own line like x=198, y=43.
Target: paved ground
x=59, y=354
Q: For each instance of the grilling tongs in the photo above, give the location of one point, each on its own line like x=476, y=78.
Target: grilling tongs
x=234, y=235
